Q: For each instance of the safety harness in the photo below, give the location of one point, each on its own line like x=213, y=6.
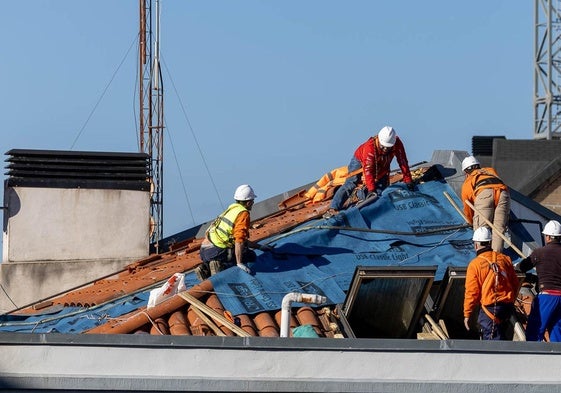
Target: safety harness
x=220, y=231
x=492, y=282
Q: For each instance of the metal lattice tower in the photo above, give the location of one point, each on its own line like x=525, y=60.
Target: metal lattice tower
x=547, y=69
x=151, y=122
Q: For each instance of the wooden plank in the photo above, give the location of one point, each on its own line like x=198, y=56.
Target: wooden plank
x=213, y=314
x=443, y=327
x=495, y=230
x=210, y=323
x=455, y=206
x=437, y=329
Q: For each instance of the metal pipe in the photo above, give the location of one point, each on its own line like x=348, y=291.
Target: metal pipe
x=287, y=304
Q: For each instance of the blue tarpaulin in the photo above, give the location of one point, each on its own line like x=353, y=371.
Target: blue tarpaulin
x=400, y=228
x=72, y=319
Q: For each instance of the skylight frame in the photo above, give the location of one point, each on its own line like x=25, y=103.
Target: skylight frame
x=364, y=275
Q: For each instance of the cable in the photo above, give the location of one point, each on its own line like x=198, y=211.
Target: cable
x=134, y=97
x=181, y=177
x=8, y=296
x=102, y=95
x=384, y=231
x=193, y=135
x=152, y=322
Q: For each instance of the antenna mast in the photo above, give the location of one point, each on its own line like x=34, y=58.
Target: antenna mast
x=151, y=122
x=547, y=69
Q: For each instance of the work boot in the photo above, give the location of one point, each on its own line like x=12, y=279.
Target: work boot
x=202, y=272
x=215, y=267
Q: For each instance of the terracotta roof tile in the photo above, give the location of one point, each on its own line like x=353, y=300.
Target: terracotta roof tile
x=174, y=315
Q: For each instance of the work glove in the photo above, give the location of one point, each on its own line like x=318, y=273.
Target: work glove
x=411, y=186
x=466, y=323
x=245, y=268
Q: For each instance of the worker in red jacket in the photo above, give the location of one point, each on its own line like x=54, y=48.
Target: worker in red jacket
x=374, y=157
x=492, y=284
x=485, y=190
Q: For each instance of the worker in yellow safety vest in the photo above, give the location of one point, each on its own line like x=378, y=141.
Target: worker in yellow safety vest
x=226, y=240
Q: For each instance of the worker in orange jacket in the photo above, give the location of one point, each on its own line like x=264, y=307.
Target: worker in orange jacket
x=492, y=284
x=485, y=190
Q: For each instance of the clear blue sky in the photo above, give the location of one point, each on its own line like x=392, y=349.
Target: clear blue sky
x=276, y=93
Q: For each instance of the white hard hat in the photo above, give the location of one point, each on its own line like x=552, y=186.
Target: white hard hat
x=482, y=234
x=552, y=228
x=387, y=136
x=244, y=193
x=469, y=161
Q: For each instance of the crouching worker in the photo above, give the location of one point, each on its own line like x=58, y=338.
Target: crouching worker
x=491, y=283
x=374, y=157
x=226, y=240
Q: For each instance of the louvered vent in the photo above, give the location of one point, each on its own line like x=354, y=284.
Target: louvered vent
x=75, y=169
x=483, y=145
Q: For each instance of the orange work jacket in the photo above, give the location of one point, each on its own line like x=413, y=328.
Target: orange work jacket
x=477, y=272
x=477, y=180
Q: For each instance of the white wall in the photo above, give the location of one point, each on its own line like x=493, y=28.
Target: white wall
x=56, y=239
x=60, y=224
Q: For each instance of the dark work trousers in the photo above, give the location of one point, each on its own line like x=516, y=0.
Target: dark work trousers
x=225, y=255
x=492, y=330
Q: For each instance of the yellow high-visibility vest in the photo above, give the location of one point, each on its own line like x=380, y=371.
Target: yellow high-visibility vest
x=220, y=232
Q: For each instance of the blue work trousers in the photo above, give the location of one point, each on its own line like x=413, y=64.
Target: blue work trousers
x=347, y=188
x=545, y=315
x=345, y=191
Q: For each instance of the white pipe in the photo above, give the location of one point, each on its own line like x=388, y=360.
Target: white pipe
x=287, y=304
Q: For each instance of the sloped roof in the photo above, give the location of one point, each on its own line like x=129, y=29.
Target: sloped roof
x=312, y=254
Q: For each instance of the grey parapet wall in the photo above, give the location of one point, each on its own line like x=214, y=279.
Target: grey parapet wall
x=71, y=216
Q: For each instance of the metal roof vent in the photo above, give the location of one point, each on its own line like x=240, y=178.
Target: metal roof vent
x=483, y=145
x=75, y=169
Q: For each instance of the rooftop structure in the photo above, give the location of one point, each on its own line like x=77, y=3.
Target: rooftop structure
x=390, y=271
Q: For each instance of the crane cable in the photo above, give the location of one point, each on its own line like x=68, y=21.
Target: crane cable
x=102, y=94
x=199, y=149
x=194, y=136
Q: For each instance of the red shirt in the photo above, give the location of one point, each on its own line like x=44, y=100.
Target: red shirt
x=376, y=163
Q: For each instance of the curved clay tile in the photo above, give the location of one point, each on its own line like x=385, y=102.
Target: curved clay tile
x=214, y=303
x=246, y=323
x=266, y=325
x=160, y=327
x=307, y=316
x=197, y=325
x=143, y=316
x=178, y=324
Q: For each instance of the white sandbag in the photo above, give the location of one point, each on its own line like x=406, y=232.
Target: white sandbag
x=172, y=286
